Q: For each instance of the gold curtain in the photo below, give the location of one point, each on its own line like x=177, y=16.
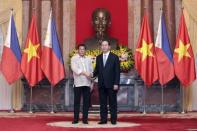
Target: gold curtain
x=190, y=14
x=5, y=7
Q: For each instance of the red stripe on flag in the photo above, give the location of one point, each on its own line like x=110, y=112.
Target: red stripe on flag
x=166, y=68
x=10, y=65
x=51, y=66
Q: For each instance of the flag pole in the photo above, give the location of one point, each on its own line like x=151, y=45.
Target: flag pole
x=183, y=100
x=30, y=105
x=52, y=108
x=144, y=99
x=12, y=109
x=11, y=101
x=162, y=111
x=162, y=86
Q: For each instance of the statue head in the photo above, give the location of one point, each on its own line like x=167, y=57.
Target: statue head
x=101, y=20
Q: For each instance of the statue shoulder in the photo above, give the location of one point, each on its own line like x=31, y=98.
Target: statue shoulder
x=113, y=42
x=88, y=40
x=91, y=43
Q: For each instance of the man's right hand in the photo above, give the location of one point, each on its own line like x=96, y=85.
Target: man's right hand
x=87, y=74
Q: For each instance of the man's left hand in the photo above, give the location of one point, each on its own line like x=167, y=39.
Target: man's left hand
x=116, y=87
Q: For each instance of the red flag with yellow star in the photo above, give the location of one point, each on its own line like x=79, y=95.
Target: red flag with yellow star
x=145, y=60
x=184, y=63
x=30, y=63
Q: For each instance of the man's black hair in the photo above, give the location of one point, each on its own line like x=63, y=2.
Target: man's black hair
x=81, y=45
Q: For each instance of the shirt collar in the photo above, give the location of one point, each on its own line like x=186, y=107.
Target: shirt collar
x=106, y=53
x=81, y=56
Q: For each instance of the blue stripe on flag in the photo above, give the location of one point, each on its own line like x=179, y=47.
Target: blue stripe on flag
x=14, y=44
x=165, y=41
x=55, y=41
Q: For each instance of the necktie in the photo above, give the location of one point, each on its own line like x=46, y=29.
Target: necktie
x=104, y=59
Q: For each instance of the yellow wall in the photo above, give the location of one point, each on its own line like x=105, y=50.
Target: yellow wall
x=5, y=7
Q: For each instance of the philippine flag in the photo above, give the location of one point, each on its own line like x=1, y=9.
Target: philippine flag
x=11, y=56
x=52, y=62
x=163, y=54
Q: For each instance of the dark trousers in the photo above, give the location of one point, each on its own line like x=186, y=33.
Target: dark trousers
x=108, y=94
x=83, y=91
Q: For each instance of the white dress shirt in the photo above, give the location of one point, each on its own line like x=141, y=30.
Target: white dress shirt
x=78, y=65
x=105, y=56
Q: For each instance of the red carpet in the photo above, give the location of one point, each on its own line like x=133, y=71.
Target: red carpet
x=147, y=123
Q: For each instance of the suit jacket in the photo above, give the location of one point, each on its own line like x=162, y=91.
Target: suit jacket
x=108, y=75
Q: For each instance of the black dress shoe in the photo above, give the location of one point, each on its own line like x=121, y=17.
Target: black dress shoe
x=75, y=122
x=85, y=122
x=102, y=122
x=113, y=122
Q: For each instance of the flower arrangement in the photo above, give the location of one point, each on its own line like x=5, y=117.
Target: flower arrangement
x=124, y=53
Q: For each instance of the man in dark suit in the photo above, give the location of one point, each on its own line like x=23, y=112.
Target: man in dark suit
x=108, y=72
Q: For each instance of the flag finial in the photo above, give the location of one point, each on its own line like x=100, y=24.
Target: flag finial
x=12, y=10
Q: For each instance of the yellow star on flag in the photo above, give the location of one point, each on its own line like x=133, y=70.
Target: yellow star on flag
x=145, y=50
x=182, y=50
x=32, y=50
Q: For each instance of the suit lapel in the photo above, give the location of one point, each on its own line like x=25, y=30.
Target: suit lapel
x=101, y=60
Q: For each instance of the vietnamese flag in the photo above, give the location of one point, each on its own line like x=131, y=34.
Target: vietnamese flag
x=184, y=63
x=145, y=60
x=30, y=63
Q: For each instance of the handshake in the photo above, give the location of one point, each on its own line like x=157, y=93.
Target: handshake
x=90, y=76
x=87, y=74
